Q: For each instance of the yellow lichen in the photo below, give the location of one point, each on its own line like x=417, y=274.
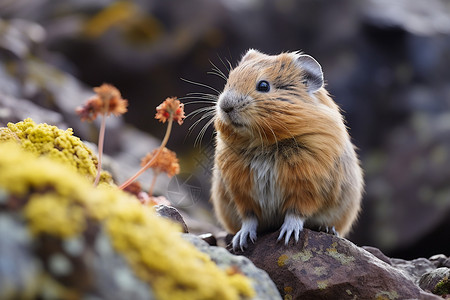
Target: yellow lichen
x=282, y=260
x=387, y=295
x=288, y=291
x=59, y=201
x=44, y=139
x=304, y=255
x=322, y=284
x=342, y=258
x=51, y=213
x=319, y=271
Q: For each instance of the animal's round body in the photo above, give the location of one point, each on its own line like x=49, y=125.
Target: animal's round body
x=283, y=155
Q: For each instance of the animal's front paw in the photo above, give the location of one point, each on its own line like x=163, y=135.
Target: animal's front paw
x=293, y=224
x=248, y=230
x=330, y=230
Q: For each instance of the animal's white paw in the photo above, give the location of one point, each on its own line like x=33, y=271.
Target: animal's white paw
x=293, y=224
x=248, y=230
x=330, y=230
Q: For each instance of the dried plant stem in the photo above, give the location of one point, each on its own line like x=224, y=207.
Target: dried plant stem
x=150, y=162
x=101, y=140
x=152, y=185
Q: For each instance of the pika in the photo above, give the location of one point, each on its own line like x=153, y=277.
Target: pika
x=283, y=156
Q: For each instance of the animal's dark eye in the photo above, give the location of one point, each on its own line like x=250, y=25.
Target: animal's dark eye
x=263, y=86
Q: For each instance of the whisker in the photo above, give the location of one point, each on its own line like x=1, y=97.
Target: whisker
x=200, y=110
x=196, y=102
x=218, y=71
x=200, y=96
x=199, y=139
x=205, y=116
x=217, y=74
x=201, y=84
x=227, y=67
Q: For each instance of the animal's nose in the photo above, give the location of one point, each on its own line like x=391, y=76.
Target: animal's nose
x=227, y=109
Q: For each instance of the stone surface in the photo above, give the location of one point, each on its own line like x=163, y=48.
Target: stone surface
x=93, y=268
x=209, y=239
x=386, y=64
x=436, y=281
x=171, y=213
x=323, y=266
x=440, y=260
x=264, y=287
x=63, y=238
x=413, y=269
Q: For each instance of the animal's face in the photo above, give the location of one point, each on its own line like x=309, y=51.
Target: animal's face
x=264, y=93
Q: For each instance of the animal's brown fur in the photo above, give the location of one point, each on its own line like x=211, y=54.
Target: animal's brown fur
x=298, y=134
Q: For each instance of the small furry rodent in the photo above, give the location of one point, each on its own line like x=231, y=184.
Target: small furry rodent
x=283, y=155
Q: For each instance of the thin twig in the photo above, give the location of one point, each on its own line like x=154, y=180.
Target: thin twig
x=101, y=140
x=150, y=162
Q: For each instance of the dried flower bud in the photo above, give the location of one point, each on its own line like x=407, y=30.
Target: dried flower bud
x=166, y=161
x=108, y=100
x=171, y=107
x=90, y=110
x=134, y=188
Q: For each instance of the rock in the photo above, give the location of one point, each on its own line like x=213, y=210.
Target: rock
x=14, y=109
x=323, y=266
x=414, y=16
x=386, y=63
x=61, y=238
x=94, y=268
x=413, y=269
x=209, y=239
x=377, y=253
x=395, y=180
x=171, y=213
x=440, y=260
x=263, y=285
x=436, y=281
x=17, y=266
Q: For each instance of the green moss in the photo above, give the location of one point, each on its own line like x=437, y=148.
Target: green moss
x=57, y=144
x=442, y=287
x=58, y=202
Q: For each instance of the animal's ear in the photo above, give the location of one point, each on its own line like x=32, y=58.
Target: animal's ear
x=312, y=72
x=250, y=54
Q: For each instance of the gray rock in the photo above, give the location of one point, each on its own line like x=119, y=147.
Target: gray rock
x=171, y=213
x=420, y=17
x=13, y=109
x=18, y=268
x=112, y=275
x=440, y=260
x=436, y=281
x=263, y=285
x=414, y=269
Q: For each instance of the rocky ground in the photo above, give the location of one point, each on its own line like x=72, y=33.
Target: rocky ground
x=323, y=266
x=389, y=72
x=385, y=63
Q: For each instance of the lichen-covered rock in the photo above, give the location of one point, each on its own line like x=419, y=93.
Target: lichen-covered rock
x=263, y=285
x=436, y=281
x=74, y=235
x=61, y=145
x=323, y=266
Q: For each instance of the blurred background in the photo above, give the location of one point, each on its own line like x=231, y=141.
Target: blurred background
x=386, y=63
